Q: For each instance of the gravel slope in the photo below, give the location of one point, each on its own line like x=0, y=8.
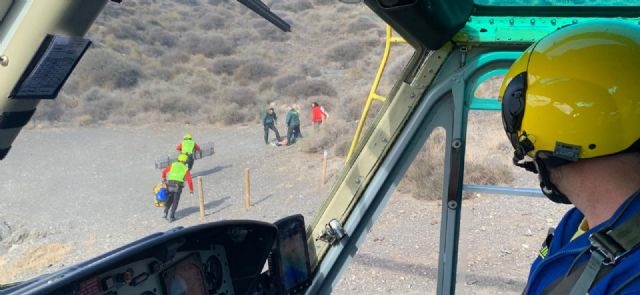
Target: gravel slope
x=70, y=194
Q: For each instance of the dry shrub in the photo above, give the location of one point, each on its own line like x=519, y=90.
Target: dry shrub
x=138, y=25
x=362, y=24
x=301, y=5
x=241, y=96
x=74, y=85
x=125, y=31
x=183, y=69
x=153, y=51
x=345, y=51
x=310, y=70
x=342, y=146
x=488, y=152
x=324, y=2
x=265, y=85
x=424, y=178
x=175, y=103
x=293, y=6
x=92, y=106
x=163, y=37
x=485, y=163
x=121, y=48
x=111, y=11
x=49, y=110
x=313, y=87
x=175, y=57
x=327, y=137
x=209, y=44
x=211, y=21
x=481, y=173
x=161, y=72
x=351, y=106
x=188, y=2
x=318, y=140
x=282, y=82
x=240, y=38
x=268, y=32
x=202, y=88
x=254, y=71
x=229, y=114
x=105, y=68
x=225, y=65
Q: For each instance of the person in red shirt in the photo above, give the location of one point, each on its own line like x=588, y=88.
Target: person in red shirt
x=188, y=147
x=318, y=114
x=174, y=176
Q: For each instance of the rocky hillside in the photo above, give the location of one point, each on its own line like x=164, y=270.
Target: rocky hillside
x=216, y=62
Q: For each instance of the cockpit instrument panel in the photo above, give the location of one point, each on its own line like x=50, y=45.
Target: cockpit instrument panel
x=210, y=259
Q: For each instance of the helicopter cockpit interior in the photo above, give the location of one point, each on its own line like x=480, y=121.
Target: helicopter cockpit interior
x=225, y=257
x=458, y=45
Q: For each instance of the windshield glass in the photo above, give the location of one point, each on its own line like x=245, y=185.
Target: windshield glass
x=80, y=179
x=558, y=3
x=265, y=120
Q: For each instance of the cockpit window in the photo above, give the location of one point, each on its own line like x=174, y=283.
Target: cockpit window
x=557, y=2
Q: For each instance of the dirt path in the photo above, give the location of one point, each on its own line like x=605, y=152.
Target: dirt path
x=70, y=194
x=92, y=187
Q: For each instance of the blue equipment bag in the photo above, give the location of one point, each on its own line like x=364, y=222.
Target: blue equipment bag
x=161, y=195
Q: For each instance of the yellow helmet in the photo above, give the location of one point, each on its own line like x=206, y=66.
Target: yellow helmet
x=182, y=158
x=574, y=95
x=187, y=136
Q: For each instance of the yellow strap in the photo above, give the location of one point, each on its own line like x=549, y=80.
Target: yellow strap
x=582, y=228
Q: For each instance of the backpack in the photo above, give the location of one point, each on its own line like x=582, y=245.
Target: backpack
x=161, y=195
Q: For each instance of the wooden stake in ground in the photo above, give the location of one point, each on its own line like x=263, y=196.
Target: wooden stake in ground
x=201, y=196
x=247, y=189
x=324, y=168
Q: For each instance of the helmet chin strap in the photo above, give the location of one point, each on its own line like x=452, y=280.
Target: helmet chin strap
x=548, y=188
x=540, y=167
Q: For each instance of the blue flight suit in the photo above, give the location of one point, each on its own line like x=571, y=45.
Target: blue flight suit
x=563, y=251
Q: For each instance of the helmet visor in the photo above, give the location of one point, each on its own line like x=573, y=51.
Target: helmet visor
x=513, y=102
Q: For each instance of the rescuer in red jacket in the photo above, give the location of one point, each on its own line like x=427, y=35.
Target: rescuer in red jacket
x=318, y=114
x=178, y=173
x=188, y=147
